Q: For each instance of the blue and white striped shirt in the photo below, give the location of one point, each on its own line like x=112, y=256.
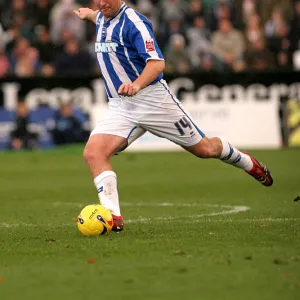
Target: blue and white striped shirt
x=123, y=46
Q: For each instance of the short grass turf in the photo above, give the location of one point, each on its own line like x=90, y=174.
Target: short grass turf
x=186, y=237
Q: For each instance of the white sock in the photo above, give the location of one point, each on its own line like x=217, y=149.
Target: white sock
x=106, y=184
x=233, y=156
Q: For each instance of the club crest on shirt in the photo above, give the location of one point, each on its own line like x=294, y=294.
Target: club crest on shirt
x=149, y=44
x=104, y=33
x=106, y=47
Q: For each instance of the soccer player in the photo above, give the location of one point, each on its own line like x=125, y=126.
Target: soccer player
x=140, y=100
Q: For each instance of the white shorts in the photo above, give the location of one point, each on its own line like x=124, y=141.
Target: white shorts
x=153, y=109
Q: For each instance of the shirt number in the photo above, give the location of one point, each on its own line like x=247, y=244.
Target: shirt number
x=182, y=124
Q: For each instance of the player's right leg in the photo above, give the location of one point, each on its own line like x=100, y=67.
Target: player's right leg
x=111, y=135
x=97, y=153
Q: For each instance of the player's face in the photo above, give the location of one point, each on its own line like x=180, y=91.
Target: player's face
x=108, y=7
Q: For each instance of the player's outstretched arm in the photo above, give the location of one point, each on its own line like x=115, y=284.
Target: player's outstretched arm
x=153, y=68
x=85, y=13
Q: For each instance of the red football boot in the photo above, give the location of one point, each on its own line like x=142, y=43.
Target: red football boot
x=260, y=172
x=118, y=223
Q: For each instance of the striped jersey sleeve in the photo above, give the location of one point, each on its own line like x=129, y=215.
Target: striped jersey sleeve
x=141, y=36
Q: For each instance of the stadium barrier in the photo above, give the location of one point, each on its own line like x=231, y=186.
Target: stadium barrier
x=250, y=110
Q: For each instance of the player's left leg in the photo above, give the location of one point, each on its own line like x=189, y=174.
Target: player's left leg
x=169, y=120
x=217, y=147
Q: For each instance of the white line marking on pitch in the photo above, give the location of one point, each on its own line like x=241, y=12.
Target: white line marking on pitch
x=232, y=210
x=163, y=204
x=147, y=220
x=227, y=210
x=158, y=204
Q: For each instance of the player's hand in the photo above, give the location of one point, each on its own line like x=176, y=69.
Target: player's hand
x=129, y=89
x=83, y=13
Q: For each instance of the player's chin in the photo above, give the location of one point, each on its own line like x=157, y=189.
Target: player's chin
x=107, y=13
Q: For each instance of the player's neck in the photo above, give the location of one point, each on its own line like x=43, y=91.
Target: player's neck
x=115, y=13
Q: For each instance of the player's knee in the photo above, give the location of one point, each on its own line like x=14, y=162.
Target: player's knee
x=204, y=149
x=87, y=154
x=91, y=153
x=207, y=148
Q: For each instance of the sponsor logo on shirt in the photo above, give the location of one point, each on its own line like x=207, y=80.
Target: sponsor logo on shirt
x=106, y=47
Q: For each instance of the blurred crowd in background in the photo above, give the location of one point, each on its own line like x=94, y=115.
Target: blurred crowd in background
x=45, y=38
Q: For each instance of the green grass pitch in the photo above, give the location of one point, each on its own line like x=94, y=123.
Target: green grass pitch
x=195, y=229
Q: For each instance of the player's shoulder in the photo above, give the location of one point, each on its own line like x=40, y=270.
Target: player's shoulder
x=135, y=17
x=99, y=16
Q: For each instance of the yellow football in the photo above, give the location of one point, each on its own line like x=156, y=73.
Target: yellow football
x=95, y=220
